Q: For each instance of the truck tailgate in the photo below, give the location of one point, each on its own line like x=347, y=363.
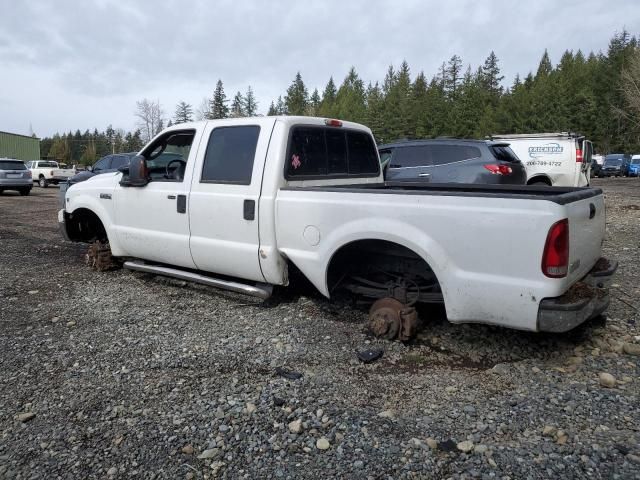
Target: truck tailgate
x=586, y=233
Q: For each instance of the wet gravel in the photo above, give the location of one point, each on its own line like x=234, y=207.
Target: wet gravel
x=126, y=375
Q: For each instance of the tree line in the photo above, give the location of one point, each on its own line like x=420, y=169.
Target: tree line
x=595, y=94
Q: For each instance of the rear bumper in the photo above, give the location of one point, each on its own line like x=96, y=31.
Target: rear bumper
x=586, y=299
x=16, y=183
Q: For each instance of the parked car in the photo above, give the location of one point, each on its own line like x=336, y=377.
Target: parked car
x=452, y=161
x=556, y=159
x=14, y=175
x=261, y=195
x=596, y=164
x=634, y=166
x=108, y=163
x=615, y=165
x=49, y=172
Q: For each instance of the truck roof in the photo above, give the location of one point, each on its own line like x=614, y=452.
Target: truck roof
x=515, y=136
x=289, y=120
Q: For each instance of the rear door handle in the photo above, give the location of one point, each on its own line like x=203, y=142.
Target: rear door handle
x=424, y=174
x=171, y=197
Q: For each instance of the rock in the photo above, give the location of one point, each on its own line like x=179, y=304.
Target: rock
x=432, y=443
x=25, y=417
x=575, y=360
x=210, y=453
x=358, y=464
x=450, y=389
x=33, y=292
x=561, y=437
x=631, y=348
x=493, y=463
x=387, y=414
x=548, y=431
x=187, y=449
x=322, y=444
x=71, y=323
x=633, y=458
x=536, y=370
x=295, y=426
x=251, y=407
x=112, y=471
x=607, y=380
x=480, y=448
x=501, y=369
x=465, y=446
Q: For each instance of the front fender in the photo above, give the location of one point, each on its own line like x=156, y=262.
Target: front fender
x=92, y=201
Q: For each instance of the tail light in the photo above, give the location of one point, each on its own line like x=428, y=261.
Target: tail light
x=578, y=155
x=27, y=174
x=332, y=122
x=555, y=259
x=499, y=169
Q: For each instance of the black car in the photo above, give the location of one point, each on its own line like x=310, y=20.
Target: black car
x=615, y=165
x=452, y=161
x=108, y=163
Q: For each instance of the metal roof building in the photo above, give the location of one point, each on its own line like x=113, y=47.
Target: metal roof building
x=21, y=147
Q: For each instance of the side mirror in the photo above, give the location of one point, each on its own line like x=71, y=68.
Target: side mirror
x=138, y=172
x=89, y=168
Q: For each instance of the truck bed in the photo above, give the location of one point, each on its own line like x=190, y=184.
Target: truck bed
x=559, y=195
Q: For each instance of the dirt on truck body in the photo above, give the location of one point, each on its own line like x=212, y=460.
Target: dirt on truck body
x=119, y=374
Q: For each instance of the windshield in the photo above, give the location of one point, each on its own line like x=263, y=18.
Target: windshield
x=9, y=165
x=635, y=161
x=613, y=162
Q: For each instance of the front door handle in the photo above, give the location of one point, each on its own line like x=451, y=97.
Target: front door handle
x=424, y=174
x=181, y=205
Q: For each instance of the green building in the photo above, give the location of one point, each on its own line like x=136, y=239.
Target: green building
x=20, y=147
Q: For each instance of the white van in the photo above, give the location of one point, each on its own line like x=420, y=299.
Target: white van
x=555, y=159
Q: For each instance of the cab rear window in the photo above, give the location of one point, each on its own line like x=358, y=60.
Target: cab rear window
x=316, y=152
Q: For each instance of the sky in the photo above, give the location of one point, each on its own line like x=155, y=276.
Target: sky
x=68, y=65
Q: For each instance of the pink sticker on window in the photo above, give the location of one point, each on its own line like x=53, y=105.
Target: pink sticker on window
x=295, y=161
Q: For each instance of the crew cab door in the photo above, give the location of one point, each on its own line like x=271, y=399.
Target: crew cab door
x=225, y=195
x=152, y=221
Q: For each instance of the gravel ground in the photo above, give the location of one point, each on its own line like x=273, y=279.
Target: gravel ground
x=126, y=375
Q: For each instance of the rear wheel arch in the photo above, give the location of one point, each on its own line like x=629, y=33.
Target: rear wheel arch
x=540, y=180
x=378, y=254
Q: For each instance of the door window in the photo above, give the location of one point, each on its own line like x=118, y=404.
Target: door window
x=407, y=157
x=119, y=161
x=167, y=157
x=230, y=154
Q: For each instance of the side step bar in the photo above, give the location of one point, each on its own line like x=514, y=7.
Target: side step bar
x=260, y=290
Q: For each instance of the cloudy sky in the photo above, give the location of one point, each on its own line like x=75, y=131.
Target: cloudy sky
x=66, y=65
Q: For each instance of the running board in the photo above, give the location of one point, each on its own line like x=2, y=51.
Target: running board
x=260, y=290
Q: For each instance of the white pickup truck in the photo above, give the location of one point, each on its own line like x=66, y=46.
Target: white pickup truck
x=47, y=172
x=236, y=203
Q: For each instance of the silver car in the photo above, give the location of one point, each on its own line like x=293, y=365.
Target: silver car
x=14, y=175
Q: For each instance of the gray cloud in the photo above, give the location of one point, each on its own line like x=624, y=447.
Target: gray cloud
x=68, y=64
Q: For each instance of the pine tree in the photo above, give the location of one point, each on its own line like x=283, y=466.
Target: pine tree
x=237, y=106
x=281, y=108
x=184, y=113
x=544, y=67
x=328, y=103
x=491, y=77
x=218, y=104
x=297, y=98
x=313, y=109
x=375, y=111
x=250, y=103
x=453, y=75
x=272, y=110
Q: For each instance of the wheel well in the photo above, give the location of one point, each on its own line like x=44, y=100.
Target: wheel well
x=380, y=268
x=83, y=225
x=539, y=179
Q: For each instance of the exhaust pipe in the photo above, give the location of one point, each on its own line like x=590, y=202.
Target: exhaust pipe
x=260, y=290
